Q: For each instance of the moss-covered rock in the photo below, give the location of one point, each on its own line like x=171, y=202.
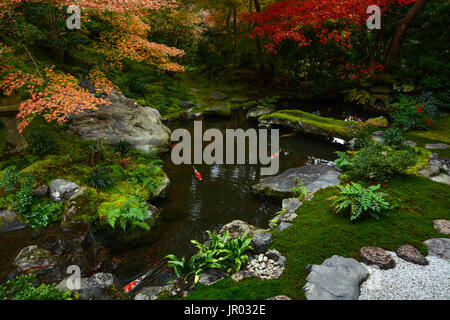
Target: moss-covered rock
x=82, y=206
x=313, y=124
x=378, y=122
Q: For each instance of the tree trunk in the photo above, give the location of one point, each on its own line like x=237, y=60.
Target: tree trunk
x=400, y=31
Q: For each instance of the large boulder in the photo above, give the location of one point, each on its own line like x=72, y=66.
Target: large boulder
x=337, y=278
x=61, y=190
x=291, y=204
x=377, y=256
x=442, y=226
x=9, y=221
x=100, y=286
x=122, y=120
x=439, y=247
x=315, y=177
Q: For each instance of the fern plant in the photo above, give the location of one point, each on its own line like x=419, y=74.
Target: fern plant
x=358, y=96
x=131, y=215
x=358, y=200
x=299, y=191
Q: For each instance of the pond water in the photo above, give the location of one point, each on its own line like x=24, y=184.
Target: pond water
x=192, y=206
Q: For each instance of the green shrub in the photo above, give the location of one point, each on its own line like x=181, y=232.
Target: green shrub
x=42, y=215
x=357, y=201
x=343, y=161
x=123, y=147
x=10, y=179
x=131, y=215
x=100, y=177
x=24, y=197
x=414, y=113
x=393, y=138
x=23, y=288
x=378, y=162
x=41, y=142
x=299, y=191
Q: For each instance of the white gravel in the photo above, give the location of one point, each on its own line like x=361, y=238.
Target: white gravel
x=408, y=281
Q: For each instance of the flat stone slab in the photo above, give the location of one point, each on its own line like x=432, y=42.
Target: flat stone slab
x=441, y=178
x=337, y=278
x=279, y=298
x=218, y=96
x=411, y=254
x=377, y=256
x=439, y=247
x=211, y=276
x=437, y=146
x=442, y=226
x=283, y=225
x=314, y=177
x=291, y=204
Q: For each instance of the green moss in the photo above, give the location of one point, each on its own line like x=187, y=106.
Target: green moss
x=82, y=206
x=317, y=234
x=378, y=122
x=316, y=124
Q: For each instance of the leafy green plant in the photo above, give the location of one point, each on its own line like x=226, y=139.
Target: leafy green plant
x=42, y=215
x=23, y=288
x=234, y=253
x=24, y=197
x=100, y=177
x=300, y=190
x=343, y=161
x=393, y=138
x=131, y=215
x=358, y=201
x=10, y=179
x=123, y=147
x=414, y=112
x=268, y=101
x=41, y=142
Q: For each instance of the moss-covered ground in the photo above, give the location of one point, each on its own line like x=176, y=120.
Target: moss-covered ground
x=318, y=234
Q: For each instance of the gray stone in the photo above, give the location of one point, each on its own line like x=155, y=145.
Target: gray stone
x=282, y=217
x=187, y=104
x=279, y=298
x=9, y=221
x=409, y=143
x=100, y=286
x=353, y=144
x=439, y=247
x=409, y=253
x=237, y=228
x=241, y=275
x=123, y=120
x=218, y=110
x=283, y=225
x=337, y=278
x=291, y=204
x=151, y=293
x=218, y=96
x=430, y=171
x=442, y=178
x=437, y=146
x=377, y=256
x=211, y=276
x=273, y=254
x=442, y=226
x=315, y=177
x=261, y=241
x=281, y=261
x=61, y=190
x=40, y=192
x=33, y=257
x=255, y=113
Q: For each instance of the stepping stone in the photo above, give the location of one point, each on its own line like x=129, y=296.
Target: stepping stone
x=239, y=99
x=439, y=247
x=211, y=276
x=437, y=146
x=279, y=298
x=283, y=225
x=291, y=204
x=9, y=221
x=187, y=104
x=442, y=226
x=409, y=143
x=442, y=178
x=218, y=96
x=411, y=254
x=377, y=256
x=430, y=171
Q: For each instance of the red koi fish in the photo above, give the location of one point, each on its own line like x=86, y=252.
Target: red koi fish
x=275, y=155
x=198, y=175
x=133, y=284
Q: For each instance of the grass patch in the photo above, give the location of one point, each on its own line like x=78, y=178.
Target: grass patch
x=318, y=234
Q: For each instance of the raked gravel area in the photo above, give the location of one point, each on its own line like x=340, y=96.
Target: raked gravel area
x=408, y=281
